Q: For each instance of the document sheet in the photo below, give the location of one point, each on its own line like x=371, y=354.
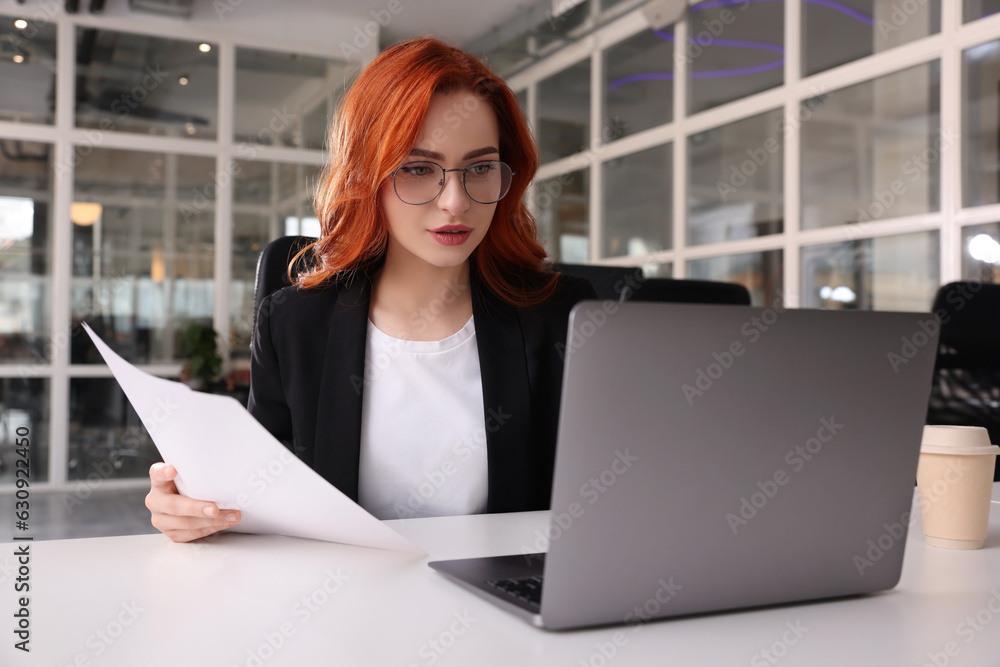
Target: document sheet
x=222, y=454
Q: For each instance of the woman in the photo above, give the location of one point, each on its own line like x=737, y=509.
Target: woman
x=417, y=367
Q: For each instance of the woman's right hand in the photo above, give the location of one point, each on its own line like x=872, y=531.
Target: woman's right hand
x=180, y=518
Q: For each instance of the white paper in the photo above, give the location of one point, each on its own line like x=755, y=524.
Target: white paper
x=222, y=454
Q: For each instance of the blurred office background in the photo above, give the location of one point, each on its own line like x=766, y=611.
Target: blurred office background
x=824, y=154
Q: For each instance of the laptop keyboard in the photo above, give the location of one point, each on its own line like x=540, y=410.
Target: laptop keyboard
x=525, y=589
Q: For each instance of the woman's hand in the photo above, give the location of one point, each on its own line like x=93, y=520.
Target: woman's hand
x=180, y=518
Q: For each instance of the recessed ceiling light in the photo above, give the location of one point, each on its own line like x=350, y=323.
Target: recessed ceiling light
x=189, y=128
x=204, y=47
x=183, y=80
x=18, y=58
x=20, y=24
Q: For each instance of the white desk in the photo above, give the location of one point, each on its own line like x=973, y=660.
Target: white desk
x=145, y=602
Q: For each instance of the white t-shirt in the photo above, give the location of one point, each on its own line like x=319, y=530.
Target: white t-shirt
x=423, y=433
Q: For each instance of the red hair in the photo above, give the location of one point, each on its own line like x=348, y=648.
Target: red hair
x=375, y=127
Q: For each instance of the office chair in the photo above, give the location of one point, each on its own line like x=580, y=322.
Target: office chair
x=272, y=267
x=611, y=282
x=620, y=283
x=966, y=386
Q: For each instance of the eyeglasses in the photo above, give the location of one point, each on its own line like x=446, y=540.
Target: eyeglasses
x=485, y=182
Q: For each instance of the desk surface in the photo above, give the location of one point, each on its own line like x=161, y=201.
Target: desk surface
x=262, y=601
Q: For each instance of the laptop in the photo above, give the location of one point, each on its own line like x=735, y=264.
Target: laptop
x=716, y=457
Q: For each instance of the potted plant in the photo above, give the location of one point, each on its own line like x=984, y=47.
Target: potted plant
x=199, y=347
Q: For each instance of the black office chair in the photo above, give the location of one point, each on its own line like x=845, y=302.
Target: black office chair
x=272, y=267
x=620, y=283
x=966, y=388
x=611, y=282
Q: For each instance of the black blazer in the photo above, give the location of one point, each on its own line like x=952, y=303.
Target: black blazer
x=307, y=381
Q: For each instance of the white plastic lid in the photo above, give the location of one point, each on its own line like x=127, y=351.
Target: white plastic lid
x=963, y=440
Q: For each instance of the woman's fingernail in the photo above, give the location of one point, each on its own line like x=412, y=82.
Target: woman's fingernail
x=231, y=517
x=209, y=510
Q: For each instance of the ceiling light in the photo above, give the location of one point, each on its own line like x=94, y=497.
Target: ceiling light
x=189, y=128
x=20, y=24
x=85, y=213
x=985, y=248
x=157, y=267
x=180, y=9
x=204, y=47
x=661, y=13
x=18, y=58
x=841, y=293
x=183, y=80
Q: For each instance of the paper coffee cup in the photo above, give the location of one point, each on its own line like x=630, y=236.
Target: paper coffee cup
x=954, y=480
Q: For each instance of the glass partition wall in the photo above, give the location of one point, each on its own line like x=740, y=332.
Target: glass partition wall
x=823, y=154
x=132, y=200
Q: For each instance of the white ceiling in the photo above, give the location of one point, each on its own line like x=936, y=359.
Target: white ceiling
x=457, y=21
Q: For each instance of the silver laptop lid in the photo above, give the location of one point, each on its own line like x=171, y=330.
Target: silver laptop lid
x=717, y=457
